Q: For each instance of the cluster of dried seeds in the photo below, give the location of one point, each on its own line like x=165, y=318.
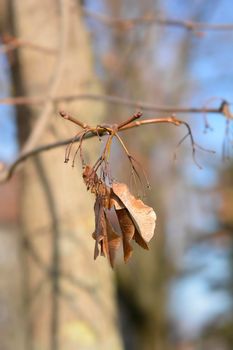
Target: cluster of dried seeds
x=119, y=218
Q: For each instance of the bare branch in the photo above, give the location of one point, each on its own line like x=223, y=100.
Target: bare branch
x=11, y=43
x=170, y=119
x=73, y=120
x=111, y=99
x=132, y=160
x=7, y=173
x=130, y=120
x=150, y=19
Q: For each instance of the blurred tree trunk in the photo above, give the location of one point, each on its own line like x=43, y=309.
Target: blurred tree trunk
x=69, y=300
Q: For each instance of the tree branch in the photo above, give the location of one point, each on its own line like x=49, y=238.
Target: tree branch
x=128, y=23
x=12, y=43
x=7, y=173
x=111, y=99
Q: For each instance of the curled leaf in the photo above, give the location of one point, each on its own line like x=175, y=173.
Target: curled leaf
x=100, y=232
x=113, y=220
x=113, y=241
x=143, y=216
x=119, y=218
x=107, y=234
x=128, y=230
x=140, y=241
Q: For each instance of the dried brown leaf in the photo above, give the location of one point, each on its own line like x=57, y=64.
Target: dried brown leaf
x=107, y=234
x=114, y=241
x=128, y=229
x=113, y=220
x=90, y=178
x=100, y=232
x=140, y=241
x=120, y=217
x=116, y=202
x=142, y=215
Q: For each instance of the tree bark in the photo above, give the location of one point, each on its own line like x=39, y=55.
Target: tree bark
x=69, y=299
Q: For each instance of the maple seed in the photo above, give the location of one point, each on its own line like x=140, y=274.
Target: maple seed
x=143, y=216
x=119, y=218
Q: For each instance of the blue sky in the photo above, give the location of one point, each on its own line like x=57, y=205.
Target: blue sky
x=8, y=145
x=193, y=303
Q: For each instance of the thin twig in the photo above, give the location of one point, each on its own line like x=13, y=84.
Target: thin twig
x=150, y=19
x=69, y=146
x=73, y=120
x=13, y=43
x=131, y=160
x=80, y=149
x=111, y=99
x=7, y=173
x=130, y=120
